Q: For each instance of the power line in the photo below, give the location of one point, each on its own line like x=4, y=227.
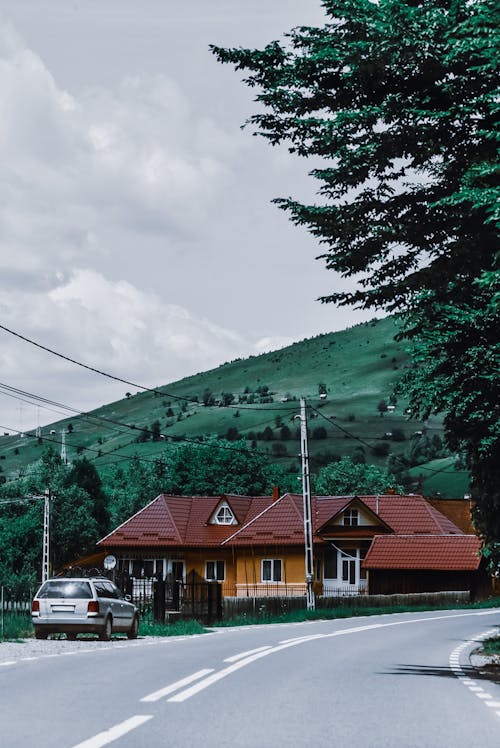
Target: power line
x=86, y=366
x=154, y=390
x=397, y=457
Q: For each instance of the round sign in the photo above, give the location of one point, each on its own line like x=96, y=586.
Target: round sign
x=109, y=562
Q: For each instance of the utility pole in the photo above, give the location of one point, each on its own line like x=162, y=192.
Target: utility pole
x=46, y=537
x=306, y=495
x=64, y=458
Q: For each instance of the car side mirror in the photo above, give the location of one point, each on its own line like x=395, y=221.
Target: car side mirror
x=128, y=598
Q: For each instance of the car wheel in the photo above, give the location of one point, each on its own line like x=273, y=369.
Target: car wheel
x=105, y=634
x=40, y=634
x=71, y=636
x=134, y=629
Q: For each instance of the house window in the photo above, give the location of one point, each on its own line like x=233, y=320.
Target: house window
x=215, y=571
x=330, y=566
x=351, y=517
x=225, y=516
x=271, y=570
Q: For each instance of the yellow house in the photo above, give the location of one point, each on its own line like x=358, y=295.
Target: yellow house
x=254, y=546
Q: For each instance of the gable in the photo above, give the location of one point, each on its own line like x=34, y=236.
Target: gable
x=223, y=514
x=353, y=515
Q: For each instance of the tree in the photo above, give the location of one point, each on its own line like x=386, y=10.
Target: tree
x=344, y=478
x=395, y=102
x=155, y=431
x=382, y=407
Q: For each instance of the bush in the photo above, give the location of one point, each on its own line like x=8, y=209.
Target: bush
x=382, y=449
x=319, y=433
x=279, y=449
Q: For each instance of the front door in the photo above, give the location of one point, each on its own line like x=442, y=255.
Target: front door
x=342, y=570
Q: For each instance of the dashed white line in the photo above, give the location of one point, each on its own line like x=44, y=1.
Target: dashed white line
x=157, y=695
x=454, y=662
x=108, y=736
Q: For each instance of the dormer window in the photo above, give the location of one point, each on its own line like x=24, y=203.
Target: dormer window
x=351, y=517
x=224, y=516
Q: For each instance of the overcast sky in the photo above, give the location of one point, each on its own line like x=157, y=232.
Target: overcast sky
x=136, y=229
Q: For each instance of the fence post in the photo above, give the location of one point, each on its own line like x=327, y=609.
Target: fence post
x=159, y=601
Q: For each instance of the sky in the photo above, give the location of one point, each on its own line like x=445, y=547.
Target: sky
x=137, y=233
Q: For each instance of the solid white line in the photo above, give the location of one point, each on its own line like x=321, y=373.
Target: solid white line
x=215, y=677
x=240, y=656
x=8, y=662
x=108, y=736
x=157, y=695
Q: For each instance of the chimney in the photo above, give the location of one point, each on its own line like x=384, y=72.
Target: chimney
x=276, y=493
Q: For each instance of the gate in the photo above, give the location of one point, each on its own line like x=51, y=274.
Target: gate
x=195, y=598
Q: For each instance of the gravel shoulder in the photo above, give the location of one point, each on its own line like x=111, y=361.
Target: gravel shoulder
x=35, y=648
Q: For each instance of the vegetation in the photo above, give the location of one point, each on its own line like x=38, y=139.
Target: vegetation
x=396, y=102
x=492, y=646
x=179, y=628
x=16, y=626
x=345, y=477
x=296, y=616
x=112, y=475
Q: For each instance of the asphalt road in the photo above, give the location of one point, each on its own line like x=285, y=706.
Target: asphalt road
x=400, y=680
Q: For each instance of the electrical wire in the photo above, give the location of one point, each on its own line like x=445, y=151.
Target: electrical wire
x=397, y=457
x=154, y=390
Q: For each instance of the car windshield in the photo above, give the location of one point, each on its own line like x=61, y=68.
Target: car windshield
x=67, y=588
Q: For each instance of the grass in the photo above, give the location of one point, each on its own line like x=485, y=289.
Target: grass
x=359, y=367
x=16, y=626
x=297, y=616
x=492, y=646
x=179, y=628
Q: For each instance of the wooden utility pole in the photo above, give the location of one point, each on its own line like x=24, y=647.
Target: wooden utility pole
x=306, y=495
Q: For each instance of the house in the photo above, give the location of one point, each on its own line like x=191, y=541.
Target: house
x=255, y=545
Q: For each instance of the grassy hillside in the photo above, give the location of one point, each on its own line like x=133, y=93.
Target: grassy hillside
x=257, y=398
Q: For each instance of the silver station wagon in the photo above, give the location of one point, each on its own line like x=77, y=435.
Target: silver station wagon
x=81, y=606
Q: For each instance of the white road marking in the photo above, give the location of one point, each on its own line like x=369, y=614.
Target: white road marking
x=240, y=656
x=108, y=736
x=454, y=662
x=257, y=655
x=157, y=695
x=8, y=662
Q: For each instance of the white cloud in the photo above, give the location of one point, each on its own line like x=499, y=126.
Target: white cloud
x=75, y=169
x=111, y=326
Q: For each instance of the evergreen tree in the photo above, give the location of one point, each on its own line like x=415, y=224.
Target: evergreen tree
x=396, y=102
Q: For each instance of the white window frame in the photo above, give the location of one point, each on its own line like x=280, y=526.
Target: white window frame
x=216, y=568
x=349, y=515
x=274, y=564
x=227, y=518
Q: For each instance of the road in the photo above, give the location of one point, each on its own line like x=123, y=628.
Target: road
x=401, y=680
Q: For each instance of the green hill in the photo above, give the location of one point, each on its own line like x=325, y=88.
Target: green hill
x=344, y=376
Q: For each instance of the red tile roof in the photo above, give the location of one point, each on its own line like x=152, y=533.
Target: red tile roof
x=173, y=521
x=424, y=552
x=185, y=521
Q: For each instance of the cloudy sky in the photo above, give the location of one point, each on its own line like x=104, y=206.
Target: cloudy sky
x=136, y=229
